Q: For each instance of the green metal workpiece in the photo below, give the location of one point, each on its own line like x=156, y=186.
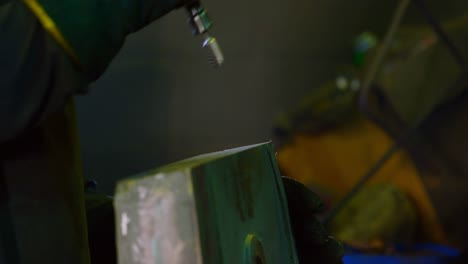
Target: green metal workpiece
x=224, y=207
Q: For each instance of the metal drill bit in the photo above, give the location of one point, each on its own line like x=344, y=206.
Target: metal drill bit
x=201, y=23
x=215, y=56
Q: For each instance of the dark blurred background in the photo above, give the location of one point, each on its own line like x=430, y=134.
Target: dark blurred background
x=160, y=101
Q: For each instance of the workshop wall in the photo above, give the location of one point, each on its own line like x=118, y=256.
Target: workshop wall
x=160, y=101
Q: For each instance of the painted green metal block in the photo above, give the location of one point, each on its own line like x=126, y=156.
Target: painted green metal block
x=220, y=208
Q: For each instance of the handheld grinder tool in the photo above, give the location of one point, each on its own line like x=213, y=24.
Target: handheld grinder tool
x=200, y=23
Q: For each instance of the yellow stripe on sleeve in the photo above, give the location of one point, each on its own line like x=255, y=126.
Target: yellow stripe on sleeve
x=50, y=26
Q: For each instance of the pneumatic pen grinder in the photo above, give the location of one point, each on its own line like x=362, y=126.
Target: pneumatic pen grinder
x=200, y=23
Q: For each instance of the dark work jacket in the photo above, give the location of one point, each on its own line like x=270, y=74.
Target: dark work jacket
x=51, y=50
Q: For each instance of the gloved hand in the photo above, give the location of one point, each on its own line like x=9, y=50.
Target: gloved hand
x=96, y=29
x=313, y=243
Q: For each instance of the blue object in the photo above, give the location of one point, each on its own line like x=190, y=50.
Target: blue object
x=381, y=259
x=433, y=254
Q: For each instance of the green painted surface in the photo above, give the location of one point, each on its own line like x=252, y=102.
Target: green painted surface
x=226, y=199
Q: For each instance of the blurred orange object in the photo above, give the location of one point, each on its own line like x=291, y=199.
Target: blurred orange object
x=337, y=159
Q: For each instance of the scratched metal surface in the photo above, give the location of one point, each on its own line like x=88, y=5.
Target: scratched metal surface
x=204, y=208
x=156, y=220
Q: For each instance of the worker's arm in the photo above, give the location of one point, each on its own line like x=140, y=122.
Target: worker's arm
x=51, y=49
x=94, y=30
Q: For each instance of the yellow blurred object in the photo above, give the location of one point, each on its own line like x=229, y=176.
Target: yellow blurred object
x=362, y=219
x=337, y=159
